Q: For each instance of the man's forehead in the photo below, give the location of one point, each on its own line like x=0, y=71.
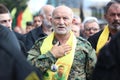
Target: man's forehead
x=115, y=6
x=5, y=16
x=63, y=9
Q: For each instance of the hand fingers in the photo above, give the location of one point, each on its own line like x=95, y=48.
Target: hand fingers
x=67, y=49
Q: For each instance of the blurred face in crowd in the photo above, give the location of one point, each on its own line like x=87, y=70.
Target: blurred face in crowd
x=48, y=9
x=62, y=20
x=37, y=21
x=6, y=20
x=76, y=30
x=113, y=16
x=90, y=28
x=77, y=22
x=29, y=28
x=18, y=29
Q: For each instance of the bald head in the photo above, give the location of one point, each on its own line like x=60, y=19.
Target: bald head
x=46, y=15
x=63, y=9
x=46, y=9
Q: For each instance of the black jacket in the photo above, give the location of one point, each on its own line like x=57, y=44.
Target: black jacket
x=108, y=64
x=94, y=39
x=32, y=36
x=13, y=64
x=21, y=39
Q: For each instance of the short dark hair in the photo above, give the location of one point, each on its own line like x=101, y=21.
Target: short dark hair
x=36, y=15
x=29, y=23
x=3, y=9
x=109, y=4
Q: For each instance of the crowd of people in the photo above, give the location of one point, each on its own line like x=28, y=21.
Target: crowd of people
x=57, y=45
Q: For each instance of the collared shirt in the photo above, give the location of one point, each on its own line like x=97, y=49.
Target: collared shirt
x=83, y=63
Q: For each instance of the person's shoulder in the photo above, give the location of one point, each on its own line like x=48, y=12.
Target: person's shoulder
x=18, y=35
x=34, y=32
x=82, y=40
x=84, y=44
x=40, y=40
x=37, y=29
x=37, y=32
x=96, y=35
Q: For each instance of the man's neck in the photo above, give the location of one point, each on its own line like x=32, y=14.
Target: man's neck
x=62, y=38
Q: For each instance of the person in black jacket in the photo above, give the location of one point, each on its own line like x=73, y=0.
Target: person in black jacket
x=108, y=64
x=13, y=64
x=112, y=11
x=43, y=30
x=6, y=20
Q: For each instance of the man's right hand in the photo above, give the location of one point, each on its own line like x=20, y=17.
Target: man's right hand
x=60, y=50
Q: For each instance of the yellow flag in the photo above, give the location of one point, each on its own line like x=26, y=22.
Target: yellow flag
x=27, y=16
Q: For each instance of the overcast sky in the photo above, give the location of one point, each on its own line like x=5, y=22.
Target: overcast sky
x=94, y=2
x=35, y=5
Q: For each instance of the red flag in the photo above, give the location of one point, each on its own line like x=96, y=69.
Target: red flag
x=19, y=19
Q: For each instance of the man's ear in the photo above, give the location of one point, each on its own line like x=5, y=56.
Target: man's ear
x=73, y=20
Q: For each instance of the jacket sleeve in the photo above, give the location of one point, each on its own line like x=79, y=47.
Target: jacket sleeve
x=41, y=61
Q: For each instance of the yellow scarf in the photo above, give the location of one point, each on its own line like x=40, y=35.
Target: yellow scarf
x=102, y=39
x=66, y=61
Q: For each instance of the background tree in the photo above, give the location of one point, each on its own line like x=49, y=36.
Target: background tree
x=20, y=6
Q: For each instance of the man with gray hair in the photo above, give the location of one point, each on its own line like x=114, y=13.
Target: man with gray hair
x=77, y=26
x=112, y=16
x=91, y=27
x=62, y=48
x=44, y=30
